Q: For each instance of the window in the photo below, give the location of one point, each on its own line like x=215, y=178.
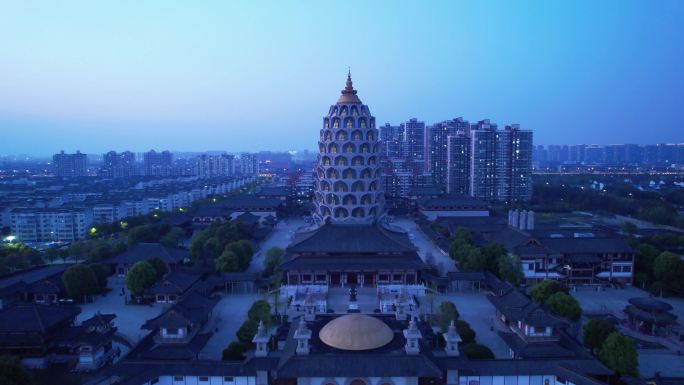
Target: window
x=172, y=331
x=228, y=379
x=203, y=379
x=306, y=277
x=178, y=378
x=320, y=278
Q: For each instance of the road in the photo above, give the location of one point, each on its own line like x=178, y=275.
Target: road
x=425, y=245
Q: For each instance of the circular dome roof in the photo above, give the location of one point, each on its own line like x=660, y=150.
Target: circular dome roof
x=356, y=332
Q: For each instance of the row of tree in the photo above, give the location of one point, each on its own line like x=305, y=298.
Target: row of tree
x=554, y=295
x=468, y=346
x=260, y=311
x=493, y=257
x=658, y=267
x=614, y=349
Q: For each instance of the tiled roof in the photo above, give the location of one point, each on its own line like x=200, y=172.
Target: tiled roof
x=145, y=251
x=360, y=239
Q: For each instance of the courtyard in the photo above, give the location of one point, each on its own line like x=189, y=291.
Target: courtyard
x=656, y=354
x=129, y=318
x=425, y=245
x=228, y=314
x=281, y=236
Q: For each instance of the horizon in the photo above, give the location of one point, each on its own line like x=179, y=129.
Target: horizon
x=101, y=77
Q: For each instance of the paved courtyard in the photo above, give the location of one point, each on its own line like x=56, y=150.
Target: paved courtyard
x=614, y=300
x=129, y=318
x=228, y=315
x=476, y=309
x=425, y=245
x=281, y=236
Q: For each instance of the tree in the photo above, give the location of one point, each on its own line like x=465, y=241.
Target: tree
x=665, y=263
x=80, y=281
x=51, y=254
x=32, y=256
x=564, y=305
x=102, y=272
x=447, y=313
x=629, y=228
x=247, y=331
x=618, y=353
x=235, y=351
x=140, y=276
x=12, y=372
x=197, y=245
x=173, y=237
x=260, y=311
x=244, y=250
x=228, y=262
x=477, y=352
x=273, y=259
x=595, y=332
x=546, y=288
x=510, y=269
x=465, y=331
x=145, y=233
x=492, y=254
x=77, y=251
x=159, y=266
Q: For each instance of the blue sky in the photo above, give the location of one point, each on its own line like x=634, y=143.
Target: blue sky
x=252, y=75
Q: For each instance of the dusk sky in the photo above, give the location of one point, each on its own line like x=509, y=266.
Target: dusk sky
x=249, y=76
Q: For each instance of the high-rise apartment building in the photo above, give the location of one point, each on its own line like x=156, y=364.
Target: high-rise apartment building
x=248, y=164
x=70, y=165
x=437, y=147
x=391, y=141
x=458, y=164
x=483, y=153
x=415, y=145
x=213, y=166
x=118, y=165
x=48, y=224
x=513, y=164
x=157, y=163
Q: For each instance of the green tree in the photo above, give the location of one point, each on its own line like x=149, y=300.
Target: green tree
x=664, y=263
x=260, y=311
x=228, y=262
x=477, y=352
x=235, y=351
x=492, y=254
x=173, y=237
x=247, y=331
x=546, y=288
x=197, y=245
x=618, y=353
x=102, y=272
x=510, y=269
x=595, y=332
x=32, y=256
x=243, y=249
x=564, y=305
x=51, y=254
x=272, y=259
x=159, y=266
x=140, y=276
x=447, y=313
x=12, y=372
x=629, y=228
x=80, y=281
x=465, y=331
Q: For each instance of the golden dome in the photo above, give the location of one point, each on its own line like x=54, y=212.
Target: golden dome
x=356, y=332
x=349, y=93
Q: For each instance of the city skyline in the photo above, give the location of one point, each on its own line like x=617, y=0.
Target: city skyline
x=573, y=73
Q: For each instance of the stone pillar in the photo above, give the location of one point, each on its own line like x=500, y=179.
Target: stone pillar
x=400, y=306
x=302, y=335
x=452, y=339
x=413, y=336
x=309, y=307
x=261, y=341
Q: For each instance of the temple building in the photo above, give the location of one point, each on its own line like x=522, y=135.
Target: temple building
x=350, y=244
x=348, y=188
